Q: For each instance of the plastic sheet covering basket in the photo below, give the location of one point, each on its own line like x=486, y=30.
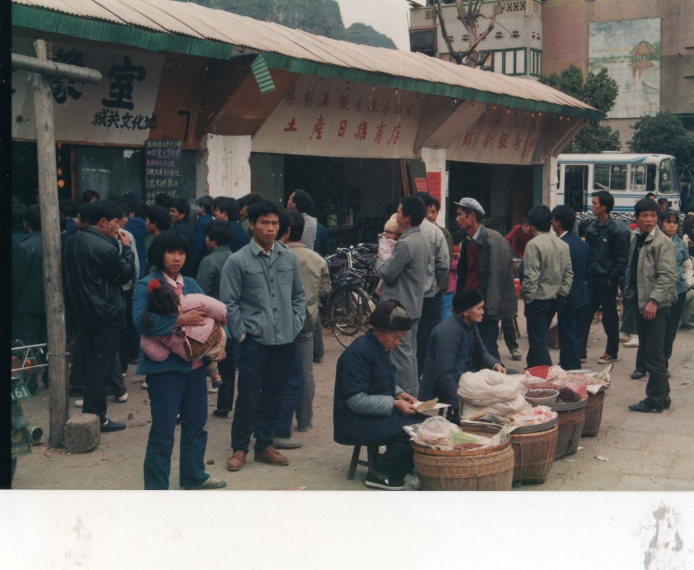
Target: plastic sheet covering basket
x=487, y=469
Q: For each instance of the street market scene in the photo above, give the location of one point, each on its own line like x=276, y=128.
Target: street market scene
x=239, y=245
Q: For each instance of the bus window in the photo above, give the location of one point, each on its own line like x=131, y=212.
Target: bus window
x=601, y=177
x=638, y=177
x=666, y=181
x=618, y=177
x=575, y=186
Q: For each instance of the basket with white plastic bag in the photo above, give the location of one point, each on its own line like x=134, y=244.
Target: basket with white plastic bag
x=438, y=433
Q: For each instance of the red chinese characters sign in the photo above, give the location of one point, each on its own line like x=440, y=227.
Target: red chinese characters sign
x=331, y=117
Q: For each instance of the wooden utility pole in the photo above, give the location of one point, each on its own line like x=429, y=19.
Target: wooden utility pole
x=50, y=226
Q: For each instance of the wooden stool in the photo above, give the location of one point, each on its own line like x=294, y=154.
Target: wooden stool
x=371, y=455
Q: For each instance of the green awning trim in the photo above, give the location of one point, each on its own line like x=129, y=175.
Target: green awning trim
x=302, y=66
x=262, y=75
x=98, y=30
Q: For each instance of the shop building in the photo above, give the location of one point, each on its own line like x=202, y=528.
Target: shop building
x=646, y=46
x=198, y=101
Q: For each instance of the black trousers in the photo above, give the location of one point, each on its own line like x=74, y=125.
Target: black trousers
x=397, y=461
x=651, y=339
x=100, y=359
x=128, y=338
x=431, y=316
x=538, y=316
x=508, y=327
x=603, y=296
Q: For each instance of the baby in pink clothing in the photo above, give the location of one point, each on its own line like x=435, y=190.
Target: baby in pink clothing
x=189, y=342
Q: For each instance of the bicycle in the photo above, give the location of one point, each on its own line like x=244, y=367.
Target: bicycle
x=349, y=305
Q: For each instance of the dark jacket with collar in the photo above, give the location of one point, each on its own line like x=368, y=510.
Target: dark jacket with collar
x=190, y=268
x=27, y=276
x=365, y=367
x=580, y=262
x=496, y=274
x=93, y=273
x=454, y=348
x=609, y=244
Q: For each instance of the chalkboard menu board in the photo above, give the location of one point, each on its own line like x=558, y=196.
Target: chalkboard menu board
x=163, y=168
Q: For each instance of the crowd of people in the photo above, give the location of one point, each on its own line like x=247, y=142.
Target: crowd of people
x=233, y=297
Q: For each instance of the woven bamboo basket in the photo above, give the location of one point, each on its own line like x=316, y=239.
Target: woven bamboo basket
x=488, y=469
x=593, y=414
x=534, y=454
x=571, y=421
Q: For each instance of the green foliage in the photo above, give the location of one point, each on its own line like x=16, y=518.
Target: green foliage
x=598, y=90
x=321, y=17
x=594, y=138
x=665, y=134
x=359, y=33
x=601, y=91
x=570, y=81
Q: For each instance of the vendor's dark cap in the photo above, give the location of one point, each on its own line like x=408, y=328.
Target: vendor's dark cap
x=390, y=315
x=470, y=204
x=466, y=299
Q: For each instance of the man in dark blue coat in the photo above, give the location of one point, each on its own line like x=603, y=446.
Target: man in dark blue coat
x=456, y=347
x=570, y=315
x=369, y=407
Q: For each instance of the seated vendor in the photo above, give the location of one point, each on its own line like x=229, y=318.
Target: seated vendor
x=455, y=347
x=369, y=408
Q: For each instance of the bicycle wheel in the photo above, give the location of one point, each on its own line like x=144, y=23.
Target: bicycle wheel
x=349, y=311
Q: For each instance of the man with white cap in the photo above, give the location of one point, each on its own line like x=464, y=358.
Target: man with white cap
x=486, y=263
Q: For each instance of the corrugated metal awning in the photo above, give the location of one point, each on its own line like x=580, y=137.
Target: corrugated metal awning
x=166, y=25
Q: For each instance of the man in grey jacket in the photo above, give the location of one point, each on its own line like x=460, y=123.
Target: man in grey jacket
x=405, y=276
x=486, y=263
x=547, y=281
x=438, y=263
x=650, y=286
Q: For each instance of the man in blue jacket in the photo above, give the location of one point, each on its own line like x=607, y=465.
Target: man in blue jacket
x=262, y=288
x=369, y=407
x=563, y=220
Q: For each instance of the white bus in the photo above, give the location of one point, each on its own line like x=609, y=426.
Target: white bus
x=628, y=177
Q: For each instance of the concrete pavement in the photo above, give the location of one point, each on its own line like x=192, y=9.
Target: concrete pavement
x=644, y=452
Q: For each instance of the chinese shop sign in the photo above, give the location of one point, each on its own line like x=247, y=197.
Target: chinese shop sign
x=332, y=117
x=118, y=110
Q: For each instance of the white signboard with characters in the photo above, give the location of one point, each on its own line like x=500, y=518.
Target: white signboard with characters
x=117, y=110
x=333, y=117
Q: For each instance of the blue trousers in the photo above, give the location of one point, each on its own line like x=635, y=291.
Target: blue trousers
x=570, y=338
x=263, y=374
x=171, y=393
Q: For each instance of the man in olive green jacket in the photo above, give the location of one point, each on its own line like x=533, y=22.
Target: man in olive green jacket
x=650, y=287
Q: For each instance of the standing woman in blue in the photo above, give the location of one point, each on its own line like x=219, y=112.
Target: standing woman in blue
x=175, y=386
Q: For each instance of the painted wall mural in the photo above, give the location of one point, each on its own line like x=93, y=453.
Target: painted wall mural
x=630, y=50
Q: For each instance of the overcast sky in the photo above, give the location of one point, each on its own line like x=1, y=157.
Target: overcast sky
x=390, y=17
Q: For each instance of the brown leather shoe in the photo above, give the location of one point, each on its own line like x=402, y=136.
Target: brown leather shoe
x=271, y=455
x=237, y=460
